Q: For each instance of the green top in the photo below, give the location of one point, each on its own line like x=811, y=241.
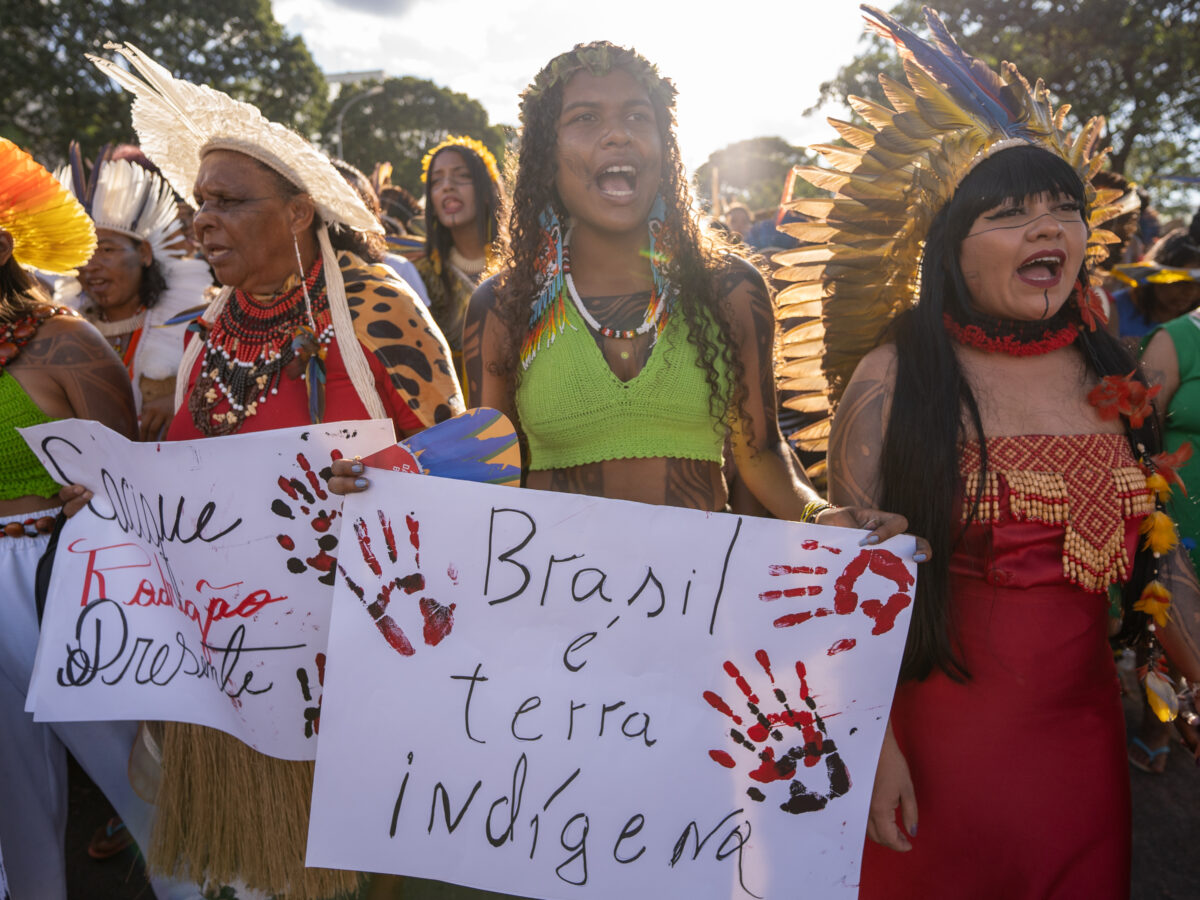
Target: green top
x=574, y=410
x=21, y=474
x=1183, y=424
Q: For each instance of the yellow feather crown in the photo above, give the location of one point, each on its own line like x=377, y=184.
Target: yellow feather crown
x=862, y=263
x=476, y=147
x=49, y=227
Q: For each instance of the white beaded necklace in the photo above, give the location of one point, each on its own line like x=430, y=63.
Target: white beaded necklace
x=653, y=313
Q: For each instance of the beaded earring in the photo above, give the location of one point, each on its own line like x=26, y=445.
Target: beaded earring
x=548, y=313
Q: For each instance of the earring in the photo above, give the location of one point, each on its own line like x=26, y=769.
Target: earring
x=304, y=284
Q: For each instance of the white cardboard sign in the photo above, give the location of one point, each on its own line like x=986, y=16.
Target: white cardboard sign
x=560, y=696
x=196, y=586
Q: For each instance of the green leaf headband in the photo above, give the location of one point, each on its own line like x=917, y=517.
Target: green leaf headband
x=599, y=58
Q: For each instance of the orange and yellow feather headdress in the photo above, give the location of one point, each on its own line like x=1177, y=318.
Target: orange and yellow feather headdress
x=903, y=164
x=49, y=227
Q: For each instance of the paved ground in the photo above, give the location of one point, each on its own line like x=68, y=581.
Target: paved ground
x=1166, y=828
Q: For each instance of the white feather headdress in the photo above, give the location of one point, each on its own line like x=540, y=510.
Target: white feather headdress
x=178, y=122
x=130, y=199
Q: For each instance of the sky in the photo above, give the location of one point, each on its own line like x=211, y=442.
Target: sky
x=743, y=68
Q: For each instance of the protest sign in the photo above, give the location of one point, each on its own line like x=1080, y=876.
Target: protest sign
x=561, y=696
x=196, y=586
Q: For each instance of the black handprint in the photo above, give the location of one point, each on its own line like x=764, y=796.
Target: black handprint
x=312, y=715
x=305, y=492
x=815, y=743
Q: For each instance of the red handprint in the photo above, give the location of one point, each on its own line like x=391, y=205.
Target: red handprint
x=783, y=725
x=312, y=714
x=305, y=492
x=845, y=599
x=438, y=619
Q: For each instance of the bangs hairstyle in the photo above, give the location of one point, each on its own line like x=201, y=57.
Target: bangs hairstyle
x=934, y=407
x=1012, y=175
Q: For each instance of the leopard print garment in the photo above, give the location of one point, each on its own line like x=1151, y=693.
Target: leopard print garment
x=391, y=322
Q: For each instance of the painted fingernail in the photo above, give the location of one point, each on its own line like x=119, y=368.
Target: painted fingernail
x=869, y=540
x=919, y=557
x=912, y=832
x=360, y=482
x=357, y=468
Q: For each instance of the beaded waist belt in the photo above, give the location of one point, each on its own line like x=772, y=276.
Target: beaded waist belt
x=28, y=528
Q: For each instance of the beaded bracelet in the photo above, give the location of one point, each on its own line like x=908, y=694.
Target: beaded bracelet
x=814, y=508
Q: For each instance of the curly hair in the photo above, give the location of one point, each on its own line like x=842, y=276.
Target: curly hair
x=489, y=212
x=700, y=260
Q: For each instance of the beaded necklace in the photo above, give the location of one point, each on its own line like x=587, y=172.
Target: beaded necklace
x=654, y=310
x=251, y=347
x=1013, y=337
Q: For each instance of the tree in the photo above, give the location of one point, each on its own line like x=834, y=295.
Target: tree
x=401, y=124
x=1136, y=63
x=50, y=94
x=754, y=172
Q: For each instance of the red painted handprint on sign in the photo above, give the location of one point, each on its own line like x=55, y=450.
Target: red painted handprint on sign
x=764, y=734
x=845, y=598
x=438, y=620
x=305, y=497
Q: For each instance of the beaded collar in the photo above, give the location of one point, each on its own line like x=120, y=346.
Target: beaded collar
x=115, y=329
x=1014, y=337
x=251, y=347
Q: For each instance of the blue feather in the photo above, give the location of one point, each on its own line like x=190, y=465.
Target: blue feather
x=950, y=66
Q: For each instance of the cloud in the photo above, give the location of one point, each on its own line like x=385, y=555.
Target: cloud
x=377, y=7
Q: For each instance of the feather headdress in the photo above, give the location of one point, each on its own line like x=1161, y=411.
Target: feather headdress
x=122, y=196
x=49, y=227
x=902, y=166
x=178, y=122
x=127, y=198
x=469, y=143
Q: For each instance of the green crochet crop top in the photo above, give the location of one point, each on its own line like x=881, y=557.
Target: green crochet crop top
x=21, y=474
x=574, y=410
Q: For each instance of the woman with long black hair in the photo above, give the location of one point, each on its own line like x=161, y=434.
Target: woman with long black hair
x=1003, y=423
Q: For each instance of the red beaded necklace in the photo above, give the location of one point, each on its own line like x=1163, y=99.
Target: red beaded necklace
x=1011, y=337
x=249, y=349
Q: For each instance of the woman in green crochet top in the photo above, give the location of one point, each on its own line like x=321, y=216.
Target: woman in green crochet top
x=623, y=339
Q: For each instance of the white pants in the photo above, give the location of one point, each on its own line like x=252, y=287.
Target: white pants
x=33, y=761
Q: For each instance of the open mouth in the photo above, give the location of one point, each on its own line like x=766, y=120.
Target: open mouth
x=215, y=254
x=1043, y=269
x=617, y=181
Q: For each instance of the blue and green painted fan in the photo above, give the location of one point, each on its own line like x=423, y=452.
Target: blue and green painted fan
x=478, y=445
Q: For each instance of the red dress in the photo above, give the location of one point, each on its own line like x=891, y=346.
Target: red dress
x=1020, y=774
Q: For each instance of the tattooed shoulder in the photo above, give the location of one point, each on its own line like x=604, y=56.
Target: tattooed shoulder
x=63, y=341
x=856, y=441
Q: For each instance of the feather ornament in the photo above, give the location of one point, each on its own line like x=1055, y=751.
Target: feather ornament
x=178, y=122
x=904, y=163
x=1160, y=533
x=1161, y=695
x=1155, y=602
x=50, y=229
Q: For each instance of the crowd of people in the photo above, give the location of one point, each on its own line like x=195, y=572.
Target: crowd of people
x=972, y=337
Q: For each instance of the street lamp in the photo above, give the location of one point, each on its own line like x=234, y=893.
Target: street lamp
x=373, y=92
